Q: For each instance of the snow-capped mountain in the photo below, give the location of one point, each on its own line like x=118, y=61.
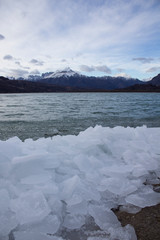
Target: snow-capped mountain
x=69, y=78
x=67, y=72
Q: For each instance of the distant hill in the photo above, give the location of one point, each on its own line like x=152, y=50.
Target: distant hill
x=22, y=86
x=140, y=88
x=70, y=81
x=68, y=77
x=155, y=81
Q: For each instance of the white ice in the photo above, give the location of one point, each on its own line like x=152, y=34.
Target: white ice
x=53, y=184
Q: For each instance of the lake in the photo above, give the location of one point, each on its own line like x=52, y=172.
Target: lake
x=48, y=114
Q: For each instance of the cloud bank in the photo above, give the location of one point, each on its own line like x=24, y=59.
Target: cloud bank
x=37, y=62
x=2, y=37
x=102, y=68
x=153, y=69
x=83, y=33
x=8, y=57
x=143, y=60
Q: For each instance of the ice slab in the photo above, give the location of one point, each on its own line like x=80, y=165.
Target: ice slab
x=25, y=235
x=37, y=178
x=8, y=222
x=4, y=201
x=74, y=221
x=145, y=198
x=30, y=207
x=103, y=218
x=126, y=233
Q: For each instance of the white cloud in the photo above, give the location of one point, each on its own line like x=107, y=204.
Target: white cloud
x=2, y=37
x=35, y=72
x=85, y=68
x=122, y=74
x=8, y=57
x=98, y=30
x=100, y=68
x=37, y=62
x=143, y=59
x=18, y=73
x=153, y=69
x=103, y=68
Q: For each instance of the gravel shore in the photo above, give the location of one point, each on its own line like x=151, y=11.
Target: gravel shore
x=146, y=222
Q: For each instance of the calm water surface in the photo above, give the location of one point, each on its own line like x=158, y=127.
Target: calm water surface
x=47, y=114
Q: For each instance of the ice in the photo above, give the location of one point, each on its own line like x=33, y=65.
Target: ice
x=119, y=187
x=8, y=222
x=126, y=233
x=145, y=198
x=4, y=201
x=27, y=165
x=69, y=186
x=79, y=208
x=130, y=208
x=36, y=179
x=49, y=225
x=53, y=185
x=55, y=205
x=30, y=207
x=103, y=218
x=5, y=166
x=75, y=221
x=25, y=235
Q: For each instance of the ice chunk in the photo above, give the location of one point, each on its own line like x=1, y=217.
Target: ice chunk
x=103, y=218
x=30, y=207
x=25, y=166
x=69, y=186
x=8, y=222
x=5, y=238
x=139, y=171
x=130, y=208
x=125, y=233
x=5, y=166
x=145, y=198
x=48, y=225
x=75, y=199
x=78, y=208
x=13, y=145
x=119, y=186
x=73, y=189
x=37, y=178
x=26, y=235
x=55, y=205
x=4, y=201
x=73, y=221
x=48, y=188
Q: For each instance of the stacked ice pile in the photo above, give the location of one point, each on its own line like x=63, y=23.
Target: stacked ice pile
x=54, y=188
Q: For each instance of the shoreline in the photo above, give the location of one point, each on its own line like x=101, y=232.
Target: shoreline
x=146, y=222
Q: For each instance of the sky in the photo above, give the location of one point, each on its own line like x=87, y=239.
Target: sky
x=92, y=37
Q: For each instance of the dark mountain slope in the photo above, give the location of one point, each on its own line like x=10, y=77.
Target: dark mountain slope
x=155, y=81
x=81, y=81
x=140, y=88
x=18, y=86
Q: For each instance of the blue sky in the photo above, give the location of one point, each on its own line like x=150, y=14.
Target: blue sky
x=93, y=37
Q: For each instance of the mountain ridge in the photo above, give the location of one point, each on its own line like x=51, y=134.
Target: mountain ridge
x=68, y=77
x=69, y=81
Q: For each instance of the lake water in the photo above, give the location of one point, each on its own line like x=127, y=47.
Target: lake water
x=47, y=114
